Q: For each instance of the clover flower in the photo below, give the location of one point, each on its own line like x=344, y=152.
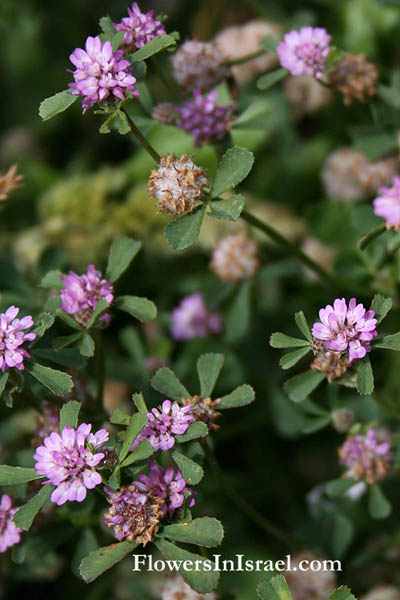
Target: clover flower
x=305, y=52
x=346, y=328
x=100, y=73
x=367, y=456
x=163, y=424
x=69, y=460
x=10, y=534
x=202, y=118
x=387, y=204
x=199, y=65
x=82, y=293
x=235, y=257
x=354, y=77
x=140, y=28
x=192, y=319
x=12, y=337
x=177, y=184
x=204, y=409
x=309, y=584
x=175, y=588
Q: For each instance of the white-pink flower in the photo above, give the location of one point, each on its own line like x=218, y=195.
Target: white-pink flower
x=10, y=534
x=12, y=337
x=305, y=52
x=387, y=204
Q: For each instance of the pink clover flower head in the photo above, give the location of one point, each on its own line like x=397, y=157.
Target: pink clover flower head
x=192, y=319
x=163, y=424
x=346, y=328
x=82, y=293
x=12, y=336
x=387, y=204
x=203, y=119
x=305, y=52
x=69, y=460
x=10, y=534
x=100, y=73
x=366, y=456
x=140, y=28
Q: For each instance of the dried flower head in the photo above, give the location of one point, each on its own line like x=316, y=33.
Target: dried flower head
x=199, y=65
x=306, y=95
x=306, y=584
x=177, y=184
x=367, y=456
x=235, y=257
x=134, y=516
x=10, y=534
x=343, y=419
x=192, y=319
x=305, y=52
x=175, y=588
x=387, y=204
x=12, y=337
x=164, y=112
x=382, y=592
x=140, y=28
x=333, y=364
x=9, y=182
x=354, y=77
x=83, y=292
x=204, y=409
x=101, y=73
x=46, y=422
x=346, y=328
x=373, y=175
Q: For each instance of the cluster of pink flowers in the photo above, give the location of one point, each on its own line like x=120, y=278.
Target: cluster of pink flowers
x=192, y=319
x=12, y=337
x=82, y=293
x=10, y=534
x=387, y=204
x=140, y=28
x=68, y=462
x=366, y=456
x=343, y=327
x=305, y=52
x=163, y=424
x=204, y=119
x=101, y=73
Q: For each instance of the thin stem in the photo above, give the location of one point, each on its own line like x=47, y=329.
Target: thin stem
x=243, y=505
x=100, y=368
x=140, y=137
x=243, y=59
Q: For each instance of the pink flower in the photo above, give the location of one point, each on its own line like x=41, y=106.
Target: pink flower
x=82, y=293
x=344, y=328
x=305, y=52
x=100, y=73
x=387, y=205
x=68, y=462
x=140, y=28
x=203, y=119
x=163, y=424
x=12, y=337
x=366, y=456
x=191, y=319
x=9, y=532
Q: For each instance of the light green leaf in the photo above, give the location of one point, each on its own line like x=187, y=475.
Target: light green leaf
x=302, y=324
x=281, y=340
x=365, y=377
x=135, y=426
x=166, y=382
x=195, y=431
x=103, y=559
x=14, y=475
x=341, y=535
x=140, y=403
x=237, y=320
x=378, y=505
x=235, y=165
x=123, y=250
x=25, y=515
x=337, y=487
x=119, y=417
x=87, y=347
x=269, y=79
x=243, y=395
x=209, y=367
x=143, y=309
x=184, y=231
x=342, y=593
x=315, y=424
x=381, y=305
x=68, y=319
x=191, y=471
x=301, y=386
x=58, y=382
x=50, y=107
x=101, y=307
x=107, y=27
x=389, y=342
x=52, y=279
x=229, y=208
x=44, y=321
x=270, y=43
x=156, y=45
x=69, y=414
x=117, y=121
x=114, y=480
x=3, y=381
x=292, y=358
x=143, y=450
x=205, y=531
x=274, y=589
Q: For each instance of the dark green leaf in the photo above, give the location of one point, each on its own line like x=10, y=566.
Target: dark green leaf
x=237, y=321
x=14, y=475
x=378, y=505
x=87, y=347
x=281, y=340
x=87, y=543
x=184, y=231
x=103, y=559
x=63, y=341
x=337, y=487
x=342, y=593
x=365, y=377
x=302, y=324
x=101, y=307
x=56, y=104
x=235, y=165
x=229, y=209
x=244, y=394
x=117, y=39
x=292, y=358
x=205, y=531
x=301, y=386
x=68, y=319
x=156, y=45
x=52, y=279
x=209, y=367
x=143, y=309
x=43, y=323
x=195, y=431
x=274, y=589
x=341, y=535
x=123, y=250
x=58, y=382
x=3, y=381
x=135, y=426
x=381, y=306
x=389, y=342
x=69, y=414
x=269, y=79
x=191, y=471
x=143, y=450
x=166, y=382
x=313, y=425
x=115, y=478
x=107, y=27
x=25, y=515
x=117, y=121
x=69, y=357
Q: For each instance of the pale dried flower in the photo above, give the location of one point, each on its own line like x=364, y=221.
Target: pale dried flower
x=175, y=588
x=235, y=257
x=198, y=65
x=354, y=77
x=9, y=182
x=164, y=112
x=306, y=95
x=382, y=592
x=309, y=585
x=204, y=409
x=333, y=364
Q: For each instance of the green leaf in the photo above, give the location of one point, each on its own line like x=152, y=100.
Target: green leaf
x=166, y=382
x=237, y=320
x=103, y=559
x=50, y=107
x=274, y=589
x=302, y=324
x=143, y=450
x=87, y=543
x=313, y=425
x=389, y=95
x=156, y=45
x=143, y=309
x=341, y=535
x=25, y=515
x=119, y=417
x=229, y=208
x=281, y=340
x=140, y=403
x=270, y=43
x=269, y=79
x=389, y=342
x=381, y=305
x=342, y=593
x=123, y=250
x=44, y=321
x=87, y=347
x=369, y=237
x=205, y=531
x=63, y=341
x=301, y=386
x=116, y=40
x=14, y=475
x=3, y=381
x=365, y=377
x=58, y=382
x=68, y=319
x=235, y=165
x=115, y=478
x=52, y=279
x=69, y=414
x=135, y=426
x=243, y=395
x=378, y=505
x=292, y=358
x=70, y=357
x=101, y=307
x=202, y=581
x=107, y=27
x=337, y=487
x=195, y=431
x=184, y=231
x=209, y=367
x=117, y=121
x=191, y=471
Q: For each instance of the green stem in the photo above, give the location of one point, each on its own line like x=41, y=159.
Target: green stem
x=243, y=59
x=140, y=137
x=100, y=368
x=242, y=504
